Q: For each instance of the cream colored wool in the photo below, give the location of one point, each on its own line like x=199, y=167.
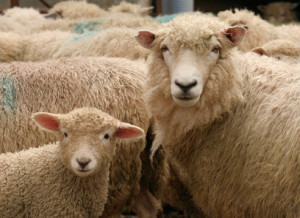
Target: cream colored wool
x=112, y=20
x=237, y=149
x=259, y=30
x=27, y=17
x=127, y=7
x=11, y=46
x=113, y=42
x=77, y=9
x=113, y=85
x=9, y=25
x=42, y=182
x=43, y=46
x=280, y=49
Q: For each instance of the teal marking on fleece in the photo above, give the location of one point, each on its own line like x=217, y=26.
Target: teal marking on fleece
x=85, y=35
x=165, y=18
x=8, y=93
x=87, y=26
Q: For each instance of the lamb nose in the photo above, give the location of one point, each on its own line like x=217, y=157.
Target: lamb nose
x=83, y=163
x=186, y=87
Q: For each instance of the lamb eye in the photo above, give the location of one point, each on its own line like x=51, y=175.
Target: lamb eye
x=216, y=49
x=164, y=48
x=277, y=58
x=65, y=135
x=106, y=136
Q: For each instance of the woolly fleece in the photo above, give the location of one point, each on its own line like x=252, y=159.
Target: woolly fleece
x=237, y=149
x=113, y=85
x=37, y=183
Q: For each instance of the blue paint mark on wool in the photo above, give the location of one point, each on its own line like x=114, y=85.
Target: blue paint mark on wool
x=85, y=35
x=165, y=18
x=8, y=93
x=87, y=26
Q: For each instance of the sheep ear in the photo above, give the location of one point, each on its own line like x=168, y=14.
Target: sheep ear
x=235, y=34
x=259, y=51
x=145, y=39
x=46, y=121
x=128, y=131
x=146, y=10
x=262, y=8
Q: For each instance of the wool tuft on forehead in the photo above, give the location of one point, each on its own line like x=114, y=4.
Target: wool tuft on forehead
x=193, y=28
x=87, y=118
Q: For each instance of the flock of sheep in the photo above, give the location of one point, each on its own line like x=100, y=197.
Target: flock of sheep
x=195, y=111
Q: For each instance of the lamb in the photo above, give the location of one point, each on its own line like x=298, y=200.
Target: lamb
x=69, y=178
x=113, y=85
x=280, y=49
x=228, y=121
x=58, y=44
x=279, y=12
x=77, y=9
x=127, y=7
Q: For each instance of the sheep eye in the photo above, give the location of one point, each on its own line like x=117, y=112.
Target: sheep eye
x=65, y=135
x=216, y=49
x=164, y=48
x=106, y=136
x=277, y=58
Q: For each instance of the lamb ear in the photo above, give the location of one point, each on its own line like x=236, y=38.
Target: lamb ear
x=46, y=121
x=145, y=38
x=235, y=34
x=128, y=131
x=259, y=51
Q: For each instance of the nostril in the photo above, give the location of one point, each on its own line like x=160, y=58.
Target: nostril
x=83, y=164
x=186, y=87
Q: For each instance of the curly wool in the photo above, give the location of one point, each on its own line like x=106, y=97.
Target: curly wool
x=110, y=84
x=237, y=149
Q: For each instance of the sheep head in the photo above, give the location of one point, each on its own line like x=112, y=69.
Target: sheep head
x=88, y=137
x=192, y=73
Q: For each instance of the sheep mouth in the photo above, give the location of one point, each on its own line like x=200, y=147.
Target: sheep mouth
x=185, y=98
x=186, y=101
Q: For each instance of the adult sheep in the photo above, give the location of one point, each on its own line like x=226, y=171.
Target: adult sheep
x=259, y=30
x=77, y=9
x=113, y=42
x=113, y=85
x=280, y=49
x=229, y=122
x=83, y=25
x=65, y=179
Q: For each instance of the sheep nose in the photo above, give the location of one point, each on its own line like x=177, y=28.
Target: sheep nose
x=83, y=163
x=186, y=87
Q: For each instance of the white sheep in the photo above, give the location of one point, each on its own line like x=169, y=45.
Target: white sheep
x=113, y=42
x=77, y=9
x=280, y=49
x=259, y=30
x=127, y=7
x=228, y=121
x=27, y=17
x=69, y=178
x=113, y=85
x=95, y=24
